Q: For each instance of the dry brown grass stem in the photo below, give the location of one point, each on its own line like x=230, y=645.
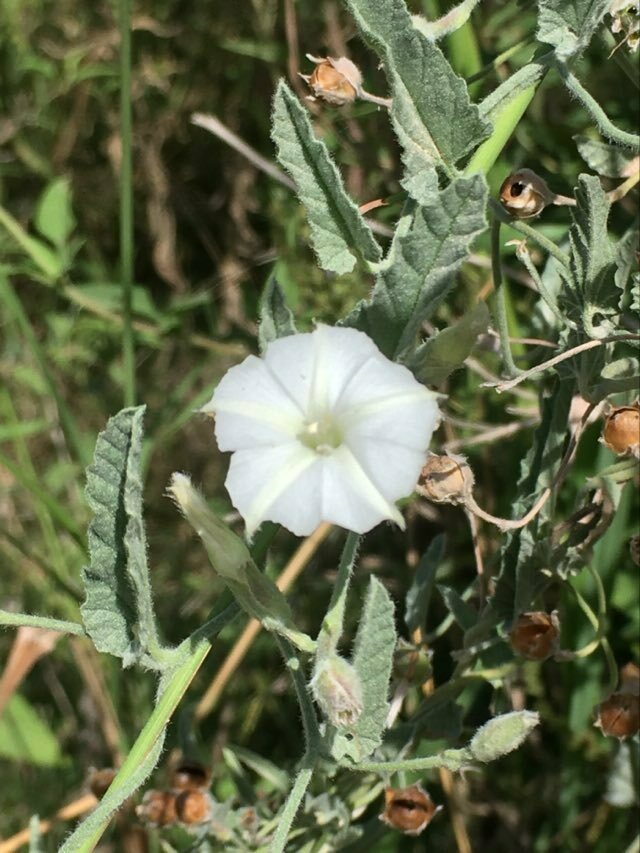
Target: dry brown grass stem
x=69, y=812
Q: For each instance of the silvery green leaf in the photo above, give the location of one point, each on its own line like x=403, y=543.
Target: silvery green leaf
x=372, y=660
x=449, y=23
x=608, y=160
x=569, y=26
x=626, y=260
x=118, y=608
x=445, y=351
x=422, y=264
x=276, y=319
x=338, y=232
x=419, y=593
x=432, y=115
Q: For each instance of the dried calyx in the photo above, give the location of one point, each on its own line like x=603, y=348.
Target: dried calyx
x=619, y=715
x=338, y=82
x=524, y=194
x=621, y=432
x=409, y=810
x=535, y=635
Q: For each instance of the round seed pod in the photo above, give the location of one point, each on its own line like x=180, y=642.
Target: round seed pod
x=409, y=810
x=619, y=715
x=337, y=81
x=193, y=807
x=190, y=774
x=535, y=635
x=446, y=479
x=621, y=432
x=158, y=808
x=525, y=194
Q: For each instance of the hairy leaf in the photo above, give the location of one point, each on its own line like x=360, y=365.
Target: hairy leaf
x=608, y=160
x=522, y=79
x=118, y=608
x=276, y=319
x=446, y=351
x=432, y=115
x=372, y=660
x=462, y=611
x=569, y=26
x=339, y=233
x=421, y=266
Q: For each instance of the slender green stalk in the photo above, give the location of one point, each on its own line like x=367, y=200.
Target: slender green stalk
x=309, y=719
x=498, y=305
x=291, y=806
x=18, y=619
x=331, y=630
x=451, y=759
x=606, y=126
x=528, y=231
x=126, y=204
x=498, y=61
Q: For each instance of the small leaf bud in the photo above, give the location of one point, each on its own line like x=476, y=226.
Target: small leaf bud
x=621, y=432
x=409, y=810
x=446, y=479
x=194, y=807
x=337, y=81
x=158, y=808
x=337, y=689
x=535, y=635
x=190, y=775
x=502, y=735
x=525, y=194
x=619, y=715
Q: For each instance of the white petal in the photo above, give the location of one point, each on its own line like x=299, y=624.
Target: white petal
x=252, y=408
x=280, y=484
x=340, y=354
x=393, y=469
x=349, y=497
x=405, y=422
x=290, y=362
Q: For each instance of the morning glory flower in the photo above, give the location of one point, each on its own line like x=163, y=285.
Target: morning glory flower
x=323, y=427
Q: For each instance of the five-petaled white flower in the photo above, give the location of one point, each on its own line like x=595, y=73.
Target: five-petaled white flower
x=323, y=428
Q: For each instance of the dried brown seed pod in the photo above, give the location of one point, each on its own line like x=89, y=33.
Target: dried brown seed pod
x=337, y=81
x=525, y=194
x=409, y=810
x=100, y=780
x=446, y=479
x=621, y=431
x=190, y=774
x=158, y=808
x=619, y=715
x=194, y=807
x=535, y=635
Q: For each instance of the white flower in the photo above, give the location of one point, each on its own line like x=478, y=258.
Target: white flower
x=323, y=428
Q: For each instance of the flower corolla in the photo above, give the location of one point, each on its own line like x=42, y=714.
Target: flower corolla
x=323, y=427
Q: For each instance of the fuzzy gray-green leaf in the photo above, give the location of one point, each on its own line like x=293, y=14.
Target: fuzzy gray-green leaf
x=432, y=115
x=372, y=660
x=421, y=266
x=118, y=608
x=338, y=232
x=569, y=26
x=276, y=319
x=608, y=160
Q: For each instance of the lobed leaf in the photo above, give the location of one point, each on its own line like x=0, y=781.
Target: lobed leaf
x=421, y=266
x=338, y=231
x=118, y=608
x=569, y=26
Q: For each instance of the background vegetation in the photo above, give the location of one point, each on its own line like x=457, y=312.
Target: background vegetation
x=209, y=229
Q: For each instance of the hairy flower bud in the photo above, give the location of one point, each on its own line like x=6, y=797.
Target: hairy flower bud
x=409, y=810
x=535, y=635
x=621, y=432
x=337, y=689
x=502, y=735
x=445, y=479
x=194, y=807
x=525, y=194
x=337, y=81
x=158, y=808
x=619, y=715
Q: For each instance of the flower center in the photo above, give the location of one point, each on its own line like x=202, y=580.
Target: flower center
x=322, y=435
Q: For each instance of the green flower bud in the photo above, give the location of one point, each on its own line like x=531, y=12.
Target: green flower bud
x=337, y=689
x=502, y=734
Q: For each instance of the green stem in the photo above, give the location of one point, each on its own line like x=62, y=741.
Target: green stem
x=331, y=630
x=19, y=619
x=498, y=305
x=126, y=204
x=528, y=231
x=451, y=759
x=309, y=719
x=499, y=60
x=291, y=806
x=606, y=126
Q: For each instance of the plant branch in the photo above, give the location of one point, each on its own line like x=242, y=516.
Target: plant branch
x=331, y=630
